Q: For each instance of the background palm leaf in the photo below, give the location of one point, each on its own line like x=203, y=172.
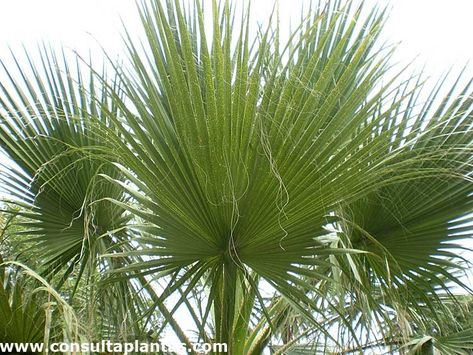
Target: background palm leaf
x=44, y=130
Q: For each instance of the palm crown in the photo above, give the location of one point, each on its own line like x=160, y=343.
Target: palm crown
x=216, y=163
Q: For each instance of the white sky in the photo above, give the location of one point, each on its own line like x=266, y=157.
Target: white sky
x=438, y=32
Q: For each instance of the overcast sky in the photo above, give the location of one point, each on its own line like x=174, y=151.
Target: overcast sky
x=438, y=32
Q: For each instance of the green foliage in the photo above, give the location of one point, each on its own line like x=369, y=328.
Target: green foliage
x=219, y=162
x=23, y=318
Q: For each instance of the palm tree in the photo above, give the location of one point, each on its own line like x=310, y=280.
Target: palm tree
x=286, y=195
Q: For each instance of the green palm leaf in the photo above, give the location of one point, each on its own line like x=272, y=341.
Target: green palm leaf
x=238, y=162
x=46, y=123
x=220, y=161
